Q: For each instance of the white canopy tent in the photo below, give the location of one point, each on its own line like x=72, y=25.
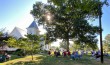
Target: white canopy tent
x=6, y=48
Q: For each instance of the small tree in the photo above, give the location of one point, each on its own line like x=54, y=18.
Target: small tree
x=33, y=41
x=12, y=42
x=29, y=44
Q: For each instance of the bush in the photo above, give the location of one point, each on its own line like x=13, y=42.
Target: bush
x=19, y=52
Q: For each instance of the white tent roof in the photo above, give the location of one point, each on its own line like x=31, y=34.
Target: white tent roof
x=6, y=48
x=18, y=33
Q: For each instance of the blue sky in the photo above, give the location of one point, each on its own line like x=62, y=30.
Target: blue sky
x=17, y=13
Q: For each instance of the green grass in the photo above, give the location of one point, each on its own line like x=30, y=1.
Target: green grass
x=51, y=60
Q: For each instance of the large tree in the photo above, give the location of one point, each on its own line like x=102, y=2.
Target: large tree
x=70, y=19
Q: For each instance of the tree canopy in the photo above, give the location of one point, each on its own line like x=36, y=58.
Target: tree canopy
x=70, y=19
x=106, y=43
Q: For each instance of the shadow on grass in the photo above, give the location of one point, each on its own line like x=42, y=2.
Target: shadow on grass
x=16, y=57
x=51, y=60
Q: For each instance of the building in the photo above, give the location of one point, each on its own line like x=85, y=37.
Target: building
x=18, y=33
x=32, y=29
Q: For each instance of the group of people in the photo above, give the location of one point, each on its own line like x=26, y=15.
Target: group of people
x=4, y=57
x=64, y=53
x=76, y=55
x=73, y=55
x=96, y=55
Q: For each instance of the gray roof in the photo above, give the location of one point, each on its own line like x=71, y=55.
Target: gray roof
x=33, y=25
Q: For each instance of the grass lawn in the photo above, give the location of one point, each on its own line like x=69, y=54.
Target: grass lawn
x=51, y=60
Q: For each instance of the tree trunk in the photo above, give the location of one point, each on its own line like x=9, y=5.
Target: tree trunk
x=67, y=42
x=32, y=55
x=67, y=39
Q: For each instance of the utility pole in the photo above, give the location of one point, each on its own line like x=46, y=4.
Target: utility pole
x=100, y=25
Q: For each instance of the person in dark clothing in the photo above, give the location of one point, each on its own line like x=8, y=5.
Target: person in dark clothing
x=3, y=58
x=57, y=53
x=97, y=55
x=49, y=52
x=7, y=56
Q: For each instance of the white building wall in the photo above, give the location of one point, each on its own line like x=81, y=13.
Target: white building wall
x=32, y=31
x=45, y=46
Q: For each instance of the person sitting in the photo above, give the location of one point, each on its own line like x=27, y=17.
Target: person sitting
x=7, y=56
x=3, y=58
x=64, y=53
x=97, y=55
x=57, y=53
x=92, y=55
x=68, y=52
x=49, y=53
x=75, y=55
